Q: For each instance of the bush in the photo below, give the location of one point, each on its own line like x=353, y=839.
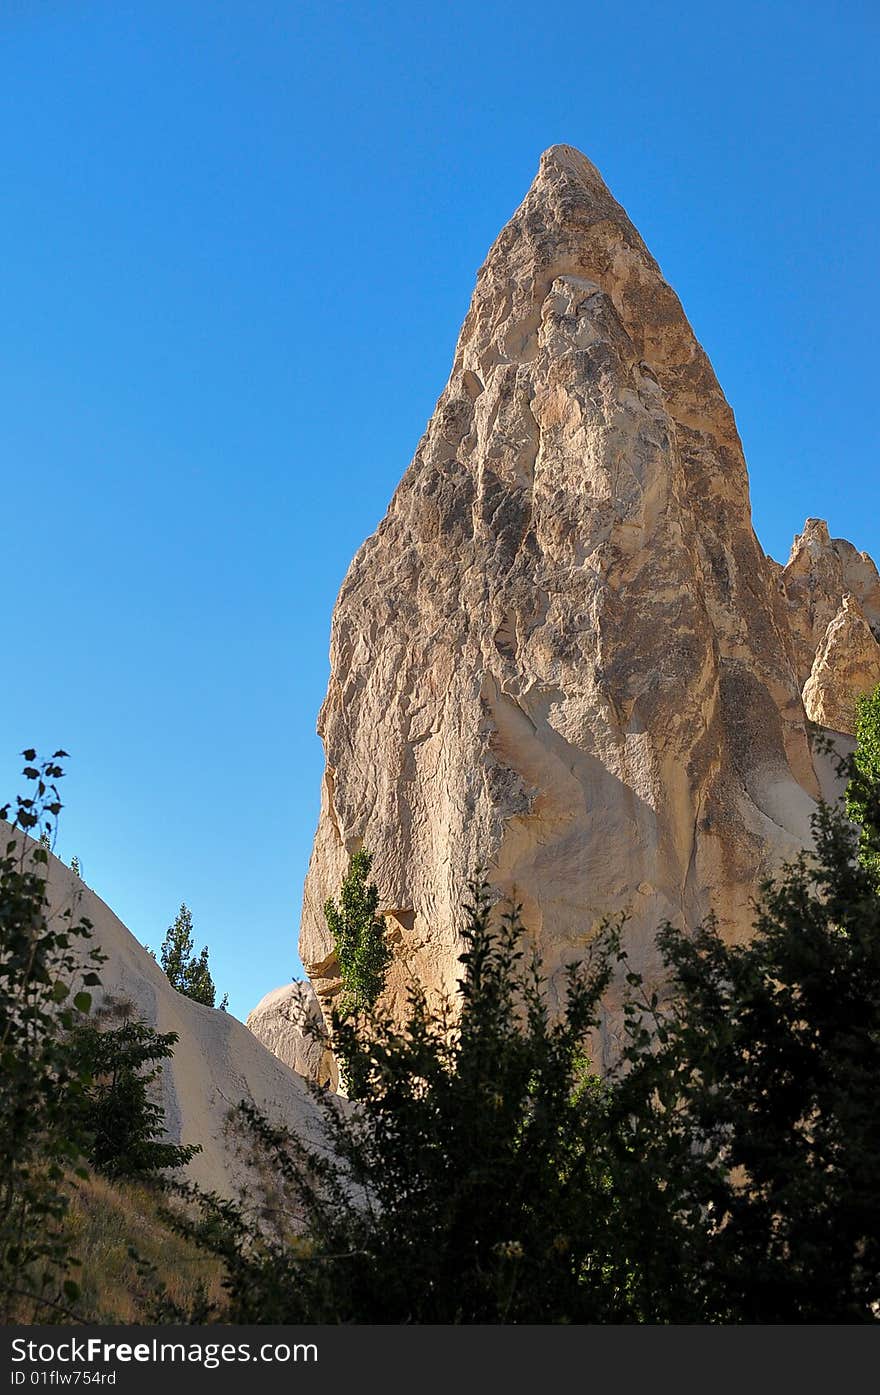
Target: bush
x=727, y=1170
x=469, y=1180
x=40, y=1140
x=865, y=778
x=122, y=1123
x=754, y=1097
x=358, y=933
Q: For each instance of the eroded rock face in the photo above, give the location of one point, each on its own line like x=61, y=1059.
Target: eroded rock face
x=833, y=596
x=289, y=1023
x=846, y=666
x=563, y=654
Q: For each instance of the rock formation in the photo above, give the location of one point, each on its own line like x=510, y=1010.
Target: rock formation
x=847, y=664
x=217, y=1062
x=563, y=653
x=833, y=596
x=289, y=1023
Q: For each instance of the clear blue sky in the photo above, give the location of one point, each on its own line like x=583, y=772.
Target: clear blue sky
x=236, y=246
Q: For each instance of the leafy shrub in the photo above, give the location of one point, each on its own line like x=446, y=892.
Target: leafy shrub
x=462, y=1183
x=727, y=1170
x=865, y=778
x=358, y=935
x=122, y=1123
x=40, y=1142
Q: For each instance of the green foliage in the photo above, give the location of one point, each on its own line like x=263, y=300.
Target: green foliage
x=75, y=867
x=122, y=1122
x=466, y=1181
x=41, y=958
x=755, y=1094
x=188, y=973
x=865, y=778
x=358, y=937
x=726, y=1170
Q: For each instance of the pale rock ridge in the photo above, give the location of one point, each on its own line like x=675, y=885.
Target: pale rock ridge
x=217, y=1062
x=563, y=650
x=289, y=1023
x=846, y=667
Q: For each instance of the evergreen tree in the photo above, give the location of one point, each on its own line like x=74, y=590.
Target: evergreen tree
x=188, y=973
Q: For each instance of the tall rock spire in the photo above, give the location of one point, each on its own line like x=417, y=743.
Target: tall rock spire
x=563, y=653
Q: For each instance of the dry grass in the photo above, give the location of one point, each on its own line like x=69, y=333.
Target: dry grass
x=106, y=1219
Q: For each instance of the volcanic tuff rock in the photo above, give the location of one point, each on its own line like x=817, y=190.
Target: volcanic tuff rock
x=217, y=1062
x=847, y=664
x=821, y=573
x=563, y=653
x=289, y=1023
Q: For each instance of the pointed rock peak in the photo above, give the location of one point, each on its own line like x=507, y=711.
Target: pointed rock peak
x=567, y=196
x=568, y=253
x=568, y=162
x=846, y=666
x=572, y=196
x=815, y=533
x=819, y=576
x=543, y=657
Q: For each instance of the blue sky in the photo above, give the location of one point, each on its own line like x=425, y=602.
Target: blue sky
x=236, y=247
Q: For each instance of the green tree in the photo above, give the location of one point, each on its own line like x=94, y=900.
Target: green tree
x=187, y=972
x=123, y=1124
x=753, y=1092
x=865, y=777
x=726, y=1170
x=359, y=939
x=467, y=1181
x=43, y=959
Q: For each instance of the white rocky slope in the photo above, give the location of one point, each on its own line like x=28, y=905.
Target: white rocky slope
x=217, y=1062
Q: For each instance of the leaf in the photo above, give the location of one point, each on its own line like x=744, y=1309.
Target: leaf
x=30, y=753
x=82, y=1002
x=59, y=992
x=71, y=1290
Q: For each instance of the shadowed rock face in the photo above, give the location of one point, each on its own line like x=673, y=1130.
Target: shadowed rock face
x=563, y=653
